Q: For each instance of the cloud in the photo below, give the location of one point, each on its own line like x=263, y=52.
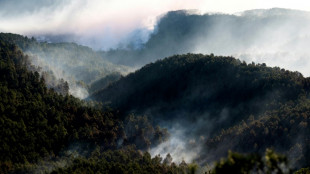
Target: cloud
x=97, y=22
x=106, y=23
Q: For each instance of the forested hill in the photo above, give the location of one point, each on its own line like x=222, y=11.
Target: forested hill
x=195, y=84
x=43, y=131
x=37, y=124
x=76, y=64
x=219, y=99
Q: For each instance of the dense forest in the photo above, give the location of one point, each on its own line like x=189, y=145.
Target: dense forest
x=232, y=104
x=38, y=123
x=80, y=66
x=258, y=112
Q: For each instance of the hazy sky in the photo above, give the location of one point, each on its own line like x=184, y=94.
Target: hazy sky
x=111, y=20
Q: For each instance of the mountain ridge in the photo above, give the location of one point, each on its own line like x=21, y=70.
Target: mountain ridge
x=210, y=98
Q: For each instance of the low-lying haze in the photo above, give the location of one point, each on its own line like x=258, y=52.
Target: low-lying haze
x=134, y=33
x=116, y=24
x=105, y=24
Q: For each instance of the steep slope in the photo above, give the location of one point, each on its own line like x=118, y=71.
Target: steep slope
x=104, y=82
x=76, y=64
x=38, y=124
x=206, y=100
x=36, y=121
x=285, y=129
x=191, y=86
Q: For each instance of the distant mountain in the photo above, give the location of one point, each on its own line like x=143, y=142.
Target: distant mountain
x=261, y=36
x=273, y=12
x=202, y=95
x=74, y=63
x=217, y=103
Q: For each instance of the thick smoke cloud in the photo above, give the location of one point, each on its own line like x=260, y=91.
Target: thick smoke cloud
x=105, y=24
x=280, y=39
x=130, y=24
x=99, y=24
x=277, y=37
x=115, y=24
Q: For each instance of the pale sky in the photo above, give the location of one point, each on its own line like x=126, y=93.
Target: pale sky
x=82, y=15
x=113, y=19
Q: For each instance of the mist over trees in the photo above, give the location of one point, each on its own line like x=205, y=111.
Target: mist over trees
x=76, y=64
x=213, y=98
x=182, y=113
x=38, y=123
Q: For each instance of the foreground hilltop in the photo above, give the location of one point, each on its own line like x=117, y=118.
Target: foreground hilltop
x=212, y=98
x=212, y=103
x=195, y=83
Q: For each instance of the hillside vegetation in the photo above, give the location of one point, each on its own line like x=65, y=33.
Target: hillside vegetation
x=37, y=123
x=234, y=105
x=76, y=64
x=220, y=103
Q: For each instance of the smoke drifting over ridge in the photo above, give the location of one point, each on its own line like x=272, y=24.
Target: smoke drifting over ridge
x=278, y=37
x=104, y=24
x=99, y=24
x=133, y=24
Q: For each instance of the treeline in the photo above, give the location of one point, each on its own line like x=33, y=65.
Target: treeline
x=129, y=161
x=285, y=129
x=76, y=64
x=193, y=84
x=36, y=122
x=104, y=82
x=233, y=104
x=252, y=107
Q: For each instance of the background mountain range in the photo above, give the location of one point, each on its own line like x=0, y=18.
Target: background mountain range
x=173, y=103
x=278, y=37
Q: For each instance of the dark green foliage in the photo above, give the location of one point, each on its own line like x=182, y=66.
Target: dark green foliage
x=141, y=132
x=239, y=163
x=37, y=122
x=239, y=106
x=104, y=82
x=58, y=85
x=303, y=171
x=285, y=129
x=68, y=59
x=192, y=85
x=124, y=161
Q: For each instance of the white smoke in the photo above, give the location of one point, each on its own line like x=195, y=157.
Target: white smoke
x=104, y=24
x=180, y=147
